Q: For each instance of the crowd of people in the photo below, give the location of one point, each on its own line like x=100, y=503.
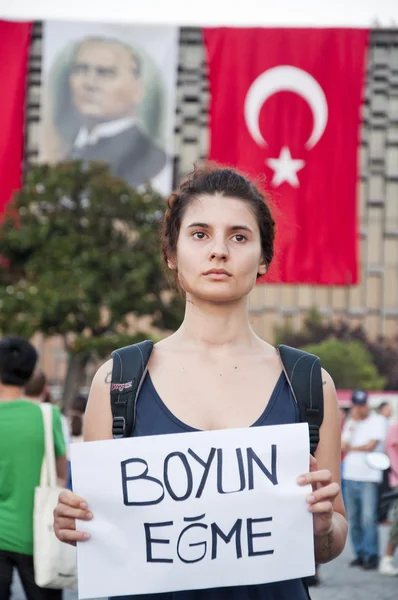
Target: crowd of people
x=364, y=487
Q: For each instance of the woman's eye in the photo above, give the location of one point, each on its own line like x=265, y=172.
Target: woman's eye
x=199, y=235
x=240, y=237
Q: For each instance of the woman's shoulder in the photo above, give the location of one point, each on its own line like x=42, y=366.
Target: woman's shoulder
x=103, y=371
x=326, y=378
x=329, y=389
x=101, y=384
x=98, y=415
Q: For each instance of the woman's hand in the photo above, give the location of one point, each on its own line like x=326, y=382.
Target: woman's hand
x=69, y=508
x=321, y=500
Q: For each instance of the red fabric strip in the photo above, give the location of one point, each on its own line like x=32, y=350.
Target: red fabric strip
x=14, y=48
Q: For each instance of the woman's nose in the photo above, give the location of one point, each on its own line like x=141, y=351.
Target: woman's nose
x=219, y=250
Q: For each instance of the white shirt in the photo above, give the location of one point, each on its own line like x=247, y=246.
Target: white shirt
x=359, y=433
x=103, y=130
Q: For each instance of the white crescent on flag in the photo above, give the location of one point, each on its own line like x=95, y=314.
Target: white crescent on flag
x=291, y=79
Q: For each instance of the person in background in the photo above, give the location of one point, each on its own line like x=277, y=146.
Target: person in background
x=344, y=414
x=37, y=391
x=386, y=564
x=21, y=457
x=385, y=412
x=363, y=432
x=75, y=421
x=76, y=418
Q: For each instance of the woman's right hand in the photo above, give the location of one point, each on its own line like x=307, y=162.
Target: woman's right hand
x=69, y=508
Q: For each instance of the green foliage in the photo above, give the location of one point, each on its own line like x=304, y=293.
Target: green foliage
x=383, y=350
x=80, y=251
x=102, y=346
x=312, y=324
x=349, y=364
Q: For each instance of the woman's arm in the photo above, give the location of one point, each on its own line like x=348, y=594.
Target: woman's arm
x=325, y=501
x=98, y=415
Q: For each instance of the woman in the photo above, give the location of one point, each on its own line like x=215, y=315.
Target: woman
x=218, y=237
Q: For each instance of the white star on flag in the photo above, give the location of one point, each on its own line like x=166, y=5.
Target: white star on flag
x=285, y=168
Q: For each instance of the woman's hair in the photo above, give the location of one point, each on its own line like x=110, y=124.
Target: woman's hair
x=76, y=425
x=79, y=403
x=36, y=384
x=209, y=180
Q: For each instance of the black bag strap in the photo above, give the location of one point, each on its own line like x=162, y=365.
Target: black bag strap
x=303, y=373
x=128, y=372
x=302, y=370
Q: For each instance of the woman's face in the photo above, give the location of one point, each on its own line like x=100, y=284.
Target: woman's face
x=219, y=249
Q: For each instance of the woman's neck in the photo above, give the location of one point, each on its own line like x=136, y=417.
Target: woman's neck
x=215, y=327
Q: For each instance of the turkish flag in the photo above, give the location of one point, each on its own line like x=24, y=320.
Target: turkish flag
x=14, y=48
x=285, y=106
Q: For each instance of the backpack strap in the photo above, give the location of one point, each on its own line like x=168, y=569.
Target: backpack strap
x=303, y=373
x=130, y=365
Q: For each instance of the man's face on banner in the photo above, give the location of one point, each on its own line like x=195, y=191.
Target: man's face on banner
x=104, y=80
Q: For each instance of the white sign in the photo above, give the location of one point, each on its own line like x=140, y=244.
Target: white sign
x=256, y=13
x=194, y=510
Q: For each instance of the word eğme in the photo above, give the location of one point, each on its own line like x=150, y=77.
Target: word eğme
x=246, y=463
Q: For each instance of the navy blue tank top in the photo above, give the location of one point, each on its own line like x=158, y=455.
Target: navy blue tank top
x=154, y=418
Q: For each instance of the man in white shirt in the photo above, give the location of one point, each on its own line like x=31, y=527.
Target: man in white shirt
x=363, y=433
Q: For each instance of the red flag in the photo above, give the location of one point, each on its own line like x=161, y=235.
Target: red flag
x=14, y=47
x=285, y=104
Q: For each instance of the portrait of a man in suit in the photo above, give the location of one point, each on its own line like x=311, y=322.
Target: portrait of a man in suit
x=97, y=110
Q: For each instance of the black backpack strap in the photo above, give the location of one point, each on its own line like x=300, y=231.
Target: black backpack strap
x=303, y=372
x=129, y=369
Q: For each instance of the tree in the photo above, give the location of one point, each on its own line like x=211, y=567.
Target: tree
x=383, y=350
x=80, y=253
x=349, y=364
x=313, y=331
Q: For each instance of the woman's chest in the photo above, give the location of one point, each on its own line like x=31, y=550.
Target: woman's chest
x=216, y=396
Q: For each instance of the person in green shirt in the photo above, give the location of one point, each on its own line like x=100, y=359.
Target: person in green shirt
x=21, y=456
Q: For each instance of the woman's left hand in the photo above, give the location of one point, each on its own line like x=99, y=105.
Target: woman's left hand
x=321, y=500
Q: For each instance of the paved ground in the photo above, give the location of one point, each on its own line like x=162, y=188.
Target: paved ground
x=339, y=581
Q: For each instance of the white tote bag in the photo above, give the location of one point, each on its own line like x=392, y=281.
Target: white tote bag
x=54, y=561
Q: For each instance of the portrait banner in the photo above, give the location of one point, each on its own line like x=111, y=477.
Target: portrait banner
x=285, y=108
x=108, y=95
x=196, y=510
